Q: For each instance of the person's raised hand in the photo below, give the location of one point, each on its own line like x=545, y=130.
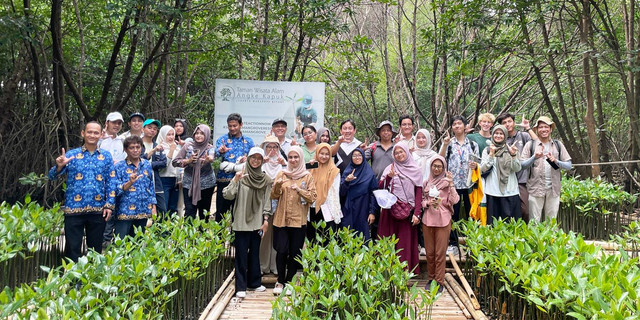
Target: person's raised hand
x=134, y=177
x=350, y=177
x=392, y=171
x=525, y=124
x=492, y=150
x=62, y=160
x=242, y=159
x=447, y=137
x=539, y=151
x=223, y=148
x=551, y=157
x=281, y=161
x=449, y=178
x=513, y=150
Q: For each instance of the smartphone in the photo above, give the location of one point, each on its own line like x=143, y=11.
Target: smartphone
x=311, y=166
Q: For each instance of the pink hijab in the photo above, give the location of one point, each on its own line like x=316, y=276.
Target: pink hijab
x=408, y=176
x=299, y=171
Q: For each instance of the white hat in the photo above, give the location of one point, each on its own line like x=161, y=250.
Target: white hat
x=256, y=150
x=113, y=116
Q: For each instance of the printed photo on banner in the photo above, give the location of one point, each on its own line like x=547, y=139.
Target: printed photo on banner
x=261, y=102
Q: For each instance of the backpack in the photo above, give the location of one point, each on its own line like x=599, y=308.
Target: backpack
x=473, y=144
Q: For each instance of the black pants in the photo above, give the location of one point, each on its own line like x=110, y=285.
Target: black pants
x=464, y=195
x=203, y=205
x=288, y=243
x=503, y=207
x=108, y=228
x=126, y=227
x=75, y=226
x=247, y=260
x=222, y=205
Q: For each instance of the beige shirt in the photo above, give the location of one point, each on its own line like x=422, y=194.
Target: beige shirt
x=243, y=220
x=291, y=212
x=536, y=184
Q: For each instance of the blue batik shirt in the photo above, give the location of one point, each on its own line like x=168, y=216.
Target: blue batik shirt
x=137, y=201
x=239, y=146
x=91, y=183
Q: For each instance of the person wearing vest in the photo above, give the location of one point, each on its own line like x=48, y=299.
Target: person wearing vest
x=545, y=157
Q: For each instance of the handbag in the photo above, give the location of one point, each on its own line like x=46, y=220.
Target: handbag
x=401, y=210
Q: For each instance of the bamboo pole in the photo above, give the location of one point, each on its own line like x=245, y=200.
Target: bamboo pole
x=458, y=301
x=465, y=284
x=476, y=314
x=218, y=309
x=214, y=300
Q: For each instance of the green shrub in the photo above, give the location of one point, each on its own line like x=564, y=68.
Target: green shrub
x=350, y=279
x=555, y=273
x=594, y=208
x=28, y=239
x=134, y=279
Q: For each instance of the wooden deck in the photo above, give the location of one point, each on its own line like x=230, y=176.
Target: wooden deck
x=257, y=305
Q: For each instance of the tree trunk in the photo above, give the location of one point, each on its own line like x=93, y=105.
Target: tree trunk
x=590, y=121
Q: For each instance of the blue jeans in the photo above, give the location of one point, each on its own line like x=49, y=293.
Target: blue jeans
x=171, y=194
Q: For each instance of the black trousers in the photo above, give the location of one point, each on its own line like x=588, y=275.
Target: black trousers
x=75, y=226
x=288, y=243
x=247, y=260
x=126, y=227
x=222, y=205
x=203, y=205
x=464, y=196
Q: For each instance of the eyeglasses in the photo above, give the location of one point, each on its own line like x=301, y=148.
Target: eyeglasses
x=436, y=167
x=271, y=147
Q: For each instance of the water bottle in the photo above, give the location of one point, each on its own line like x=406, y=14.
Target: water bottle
x=302, y=186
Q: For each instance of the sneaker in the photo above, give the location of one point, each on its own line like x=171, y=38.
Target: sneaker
x=278, y=288
x=440, y=289
x=288, y=291
x=456, y=251
x=453, y=250
x=423, y=252
x=241, y=294
x=258, y=289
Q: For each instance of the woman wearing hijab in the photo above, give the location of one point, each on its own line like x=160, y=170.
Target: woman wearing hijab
x=327, y=179
x=273, y=164
x=439, y=197
x=251, y=190
x=422, y=153
x=198, y=181
x=167, y=139
x=356, y=191
x=501, y=163
x=404, y=179
x=295, y=190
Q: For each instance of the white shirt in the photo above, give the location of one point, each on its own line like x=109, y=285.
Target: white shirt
x=114, y=146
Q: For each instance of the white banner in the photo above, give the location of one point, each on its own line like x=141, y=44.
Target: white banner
x=261, y=102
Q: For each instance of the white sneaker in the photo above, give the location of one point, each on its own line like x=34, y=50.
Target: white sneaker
x=258, y=289
x=278, y=288
x=423, y=252
x=453, y=250
x=241, y=294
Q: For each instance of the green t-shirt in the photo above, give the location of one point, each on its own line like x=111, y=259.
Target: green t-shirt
x=480, y=140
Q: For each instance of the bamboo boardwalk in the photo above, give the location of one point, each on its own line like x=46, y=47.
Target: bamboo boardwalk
x=257, y=305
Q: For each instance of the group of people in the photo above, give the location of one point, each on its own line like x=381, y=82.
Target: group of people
x=277, y=191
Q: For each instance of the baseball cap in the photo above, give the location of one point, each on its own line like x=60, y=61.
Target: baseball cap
x=256, y=150
x=279, y=120
x=114, y=116
x=137, y=114
x=150, y=121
